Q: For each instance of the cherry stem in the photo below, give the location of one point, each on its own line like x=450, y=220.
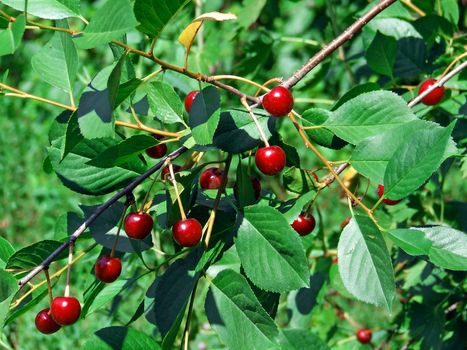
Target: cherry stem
x=49, y=285
x=120, y=224
x=68, y=272
x=147, y=193
x=235, y=77
x=177, y=194
x=258, y=126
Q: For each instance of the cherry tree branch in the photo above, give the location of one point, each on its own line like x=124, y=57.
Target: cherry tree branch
x=336, y=43
x=126, y=191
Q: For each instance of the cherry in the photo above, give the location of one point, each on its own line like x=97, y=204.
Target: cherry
x=278, y=102
x=166, y=172
x=189, y=99
x=108, y=268
x=211, y=178
x=187, y=233
x=45, y=323
x=433, y=97
x=304, y=224
x=255, y=183
x=386, y=200
x=65, y=310
x=364, y=335
x=270, y=160
x=157, y=151
x=138, y=225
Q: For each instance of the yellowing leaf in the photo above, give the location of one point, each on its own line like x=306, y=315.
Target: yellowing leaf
x=188, y=35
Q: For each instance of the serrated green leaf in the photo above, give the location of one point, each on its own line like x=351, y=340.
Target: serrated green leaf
x=110, y=22
x=413, y=242
x=49, y=9
x=381, y=54
x=164, y=102
x=122, y=338
x=237, y=315
x=205, y=115
x=298, y=339
x=266, y=244
x=33, y=255
x=364, y=263
x=6, y=250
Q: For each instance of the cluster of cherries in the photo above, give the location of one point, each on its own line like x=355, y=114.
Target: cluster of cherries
x=270, y=160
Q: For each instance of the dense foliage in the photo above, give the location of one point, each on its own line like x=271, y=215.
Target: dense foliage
x=339, y=225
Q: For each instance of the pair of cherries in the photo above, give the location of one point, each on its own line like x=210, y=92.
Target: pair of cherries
x=63, y=311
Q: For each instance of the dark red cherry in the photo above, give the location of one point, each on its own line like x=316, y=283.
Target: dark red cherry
x=45, y=323
x=386, y=200
x=189, y=99
x=165, y=173
x=304, y=224
x=433, y=97
x=270, y=160
x=211, y=178
x=187, y=233
x=157, y=151
x=65, y=310
x=255, y=183
x=278, y=102
x=364, y=335
x=138, y=225
x=108, y=268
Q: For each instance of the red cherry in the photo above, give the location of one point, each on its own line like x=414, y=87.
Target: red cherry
x=345, y=221
x=166, y=172
x=108, y=268
x=211, y=178
x=364, y=335
x=157, y=151
x=65, y=310
x=304, y=224
x=187, y=233
x=386, y=200
x=138, y=225
x=270, y=160
x=433, y=97
x=255, y=183
x=335, y=260
x=45, y=323
x=278, y=102
x=189, y=99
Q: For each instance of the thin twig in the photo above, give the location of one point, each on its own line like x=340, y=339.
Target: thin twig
x=177, y=194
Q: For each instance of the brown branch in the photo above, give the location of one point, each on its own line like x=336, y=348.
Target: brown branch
x=336, y=43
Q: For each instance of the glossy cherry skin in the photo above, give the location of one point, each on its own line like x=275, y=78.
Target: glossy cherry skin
x=211, y=178
x=364, y=335
x=45, y=323
x=65, y=310
x=187, y=233
x=255, y=183
x=304, y=224
x=270, y=160
x=166, y=172
x=386, y=200
x=138, y=225
x=433, y=97
x=278, y=102
x=189, y=99
x=108, y=268
x=157, y=151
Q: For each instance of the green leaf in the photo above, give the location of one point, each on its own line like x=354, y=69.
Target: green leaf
x=10, y=38
x=450, y=11
x=237, y=315
x=245, y=194
x=110, y=22
x=164, y=102
x=33, y=255
x=298, y=339
x=381, y=54
x=250, y=11
x=124, y=151
x=57, y=62
x=26, y=305
x=120, y=338
x=354, y=92
x=155, y=14
x=268, y=246
x=205, y=115
x=237, y=132
x=113, y=83
x=298, y=206
x=413, y=242
x=448, y=247
x=367, y=114
x=322, y=136
x=6, y=250
x=105, y=293
x=73, y=135
x=371, y=156
x=49, y=9
x=8, y=288
x=364, y=262
x=125, y=90
x=415, y=160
